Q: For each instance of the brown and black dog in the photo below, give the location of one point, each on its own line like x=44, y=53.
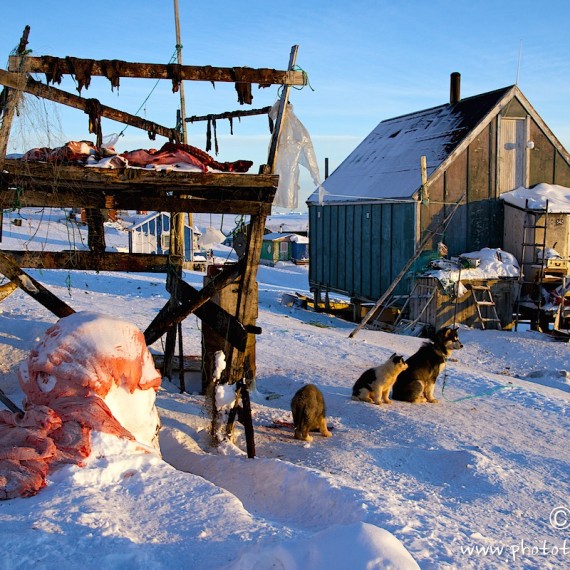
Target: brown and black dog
x=308, y=409
x=417, y=383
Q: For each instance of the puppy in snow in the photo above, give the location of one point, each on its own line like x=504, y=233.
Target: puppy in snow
x=375, y=384
x=308, y=409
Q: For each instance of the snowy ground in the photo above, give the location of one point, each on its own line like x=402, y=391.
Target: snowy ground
x=480, y=480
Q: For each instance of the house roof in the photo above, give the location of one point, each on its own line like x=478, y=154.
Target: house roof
x=153, y=216
x=386, y=164
x=277, y=237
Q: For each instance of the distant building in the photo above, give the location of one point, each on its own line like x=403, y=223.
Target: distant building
x=152, y=235
x=283, y=247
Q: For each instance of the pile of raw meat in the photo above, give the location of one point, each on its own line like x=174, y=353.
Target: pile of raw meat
x=88, y=373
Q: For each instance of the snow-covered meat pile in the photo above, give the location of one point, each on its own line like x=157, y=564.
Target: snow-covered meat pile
x=169, y=156
x=89, y=373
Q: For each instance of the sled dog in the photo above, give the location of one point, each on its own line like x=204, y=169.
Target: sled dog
x=308, y=409
x=417, y=383
x=374, y=384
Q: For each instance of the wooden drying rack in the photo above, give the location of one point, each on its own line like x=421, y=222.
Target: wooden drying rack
x=34, y=184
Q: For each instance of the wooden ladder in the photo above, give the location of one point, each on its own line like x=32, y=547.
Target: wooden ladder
x=484, y=301
x=531, y=239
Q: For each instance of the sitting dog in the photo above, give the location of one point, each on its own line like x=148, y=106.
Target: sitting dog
x=375, y=384
x=417, y=383
x=308, y=409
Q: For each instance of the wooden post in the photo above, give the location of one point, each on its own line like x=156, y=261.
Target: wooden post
x=246, y=312
x=181, y=360
x=12, y=98
x=271, y=160
x=179, y=59
x=423, y=167
x=95, y=229
x=177, y=229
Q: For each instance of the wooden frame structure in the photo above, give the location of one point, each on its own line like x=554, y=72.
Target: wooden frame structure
x=53, y=185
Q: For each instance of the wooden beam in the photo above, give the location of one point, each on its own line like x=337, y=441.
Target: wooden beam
x=29, y=85
x=87, y=261
x=222, y=203
x=68, y=65
x=79, y=177
x=281, y=112
x=33, y=288
x=34, y=184
x=169, y=316
x=229, y=115
x=246, y=310
x=12, y=98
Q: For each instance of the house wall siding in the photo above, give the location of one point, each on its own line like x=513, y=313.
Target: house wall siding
x=360, y=249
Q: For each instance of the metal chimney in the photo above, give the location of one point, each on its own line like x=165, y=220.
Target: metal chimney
x=455, y=88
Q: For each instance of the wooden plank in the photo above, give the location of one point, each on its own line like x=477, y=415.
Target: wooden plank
x=224, y=205
x=169, y=316
x=86, y=260
x=48, y=184
x=261, y=76
x=376, y=249
x=542, y=157
x=34, y=87
x=229, y=115
x=76, y=177
x=33, y=288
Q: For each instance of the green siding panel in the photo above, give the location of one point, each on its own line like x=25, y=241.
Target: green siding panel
x=362, y=248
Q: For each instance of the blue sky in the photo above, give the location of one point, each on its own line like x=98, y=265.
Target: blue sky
x=367, y=60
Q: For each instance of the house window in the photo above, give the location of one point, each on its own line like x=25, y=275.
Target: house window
x=165, y=241
x=283, y=247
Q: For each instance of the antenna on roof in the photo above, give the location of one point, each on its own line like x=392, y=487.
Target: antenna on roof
x=519, y=63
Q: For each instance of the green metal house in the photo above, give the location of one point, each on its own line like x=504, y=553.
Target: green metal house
x=276, y=247
x=407, y=174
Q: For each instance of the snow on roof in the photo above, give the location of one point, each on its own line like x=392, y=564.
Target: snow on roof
x=386, y=164
x=536, y=198
x=276, y=236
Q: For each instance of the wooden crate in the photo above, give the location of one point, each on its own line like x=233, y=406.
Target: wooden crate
x=444, y=310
